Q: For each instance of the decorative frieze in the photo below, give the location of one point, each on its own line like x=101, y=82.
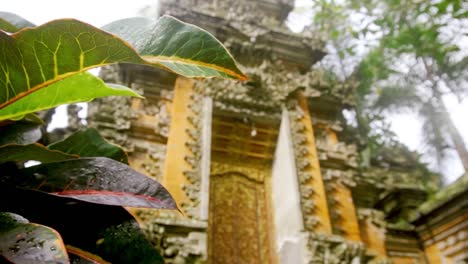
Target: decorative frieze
x=313, y=200
x=375, y=216
x=193, y=143
x=154, y=164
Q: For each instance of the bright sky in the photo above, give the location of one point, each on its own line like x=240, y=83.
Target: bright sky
x=95, y=12
x=101, y=12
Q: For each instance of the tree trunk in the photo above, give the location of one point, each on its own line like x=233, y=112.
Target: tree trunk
x=455, y=136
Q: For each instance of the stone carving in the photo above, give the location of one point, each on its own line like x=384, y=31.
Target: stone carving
x=179, y=240
x=302, y=164
x=239, y=220
x=154, y=164
x=375, y=216
x=270, y=85
x=332, y=249
x=256, y=174
x=192, y=190
x=345, y=177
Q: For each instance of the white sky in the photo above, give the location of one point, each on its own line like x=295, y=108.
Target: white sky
x=95, y=12
x=101, y=12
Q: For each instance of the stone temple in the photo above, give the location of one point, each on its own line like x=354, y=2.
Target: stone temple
x=263, y=170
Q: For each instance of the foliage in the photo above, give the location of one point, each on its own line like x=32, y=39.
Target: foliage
x=405, y=55
x=75, y=197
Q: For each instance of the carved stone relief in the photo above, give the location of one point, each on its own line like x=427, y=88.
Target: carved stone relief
x=240, y=220
x=334, y=250
x=192, y=190
x=179, y=240
x=299, y=140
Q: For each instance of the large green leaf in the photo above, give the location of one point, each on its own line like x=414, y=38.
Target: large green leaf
x=97, y=180
x=35, y=58
x=180, y=47
x=11, y=22
x=77, y=88
x=15, y=152
x=88, y=143
x=23, y=242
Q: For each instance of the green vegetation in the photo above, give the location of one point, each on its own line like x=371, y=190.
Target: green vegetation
x=405, y=56
x=75, y=197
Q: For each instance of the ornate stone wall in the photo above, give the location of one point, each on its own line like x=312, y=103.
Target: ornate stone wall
x=217, y=158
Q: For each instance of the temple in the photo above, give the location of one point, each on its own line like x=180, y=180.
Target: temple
x=263, y=170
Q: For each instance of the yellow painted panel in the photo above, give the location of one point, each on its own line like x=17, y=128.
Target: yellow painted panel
x=373, y=237
x=175, y=164
x=349, y=222
x=433, y=254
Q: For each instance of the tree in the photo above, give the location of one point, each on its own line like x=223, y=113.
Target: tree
x=425, y=62
x=75, y=197
x=404, y=55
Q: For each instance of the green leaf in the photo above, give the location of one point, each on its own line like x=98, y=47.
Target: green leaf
x=180, y=47
x=88, y=143
x=77, y=88
x=15, y=152
x=22, y=132
x=22, y=242
x=35, y=58
x=12, y=23
x=6, y=26
x=96, y=180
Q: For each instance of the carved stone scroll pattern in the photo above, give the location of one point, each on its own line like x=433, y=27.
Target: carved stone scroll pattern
x=339, y=152
x=302, y=164
x=270, y=85
x=192, y=190
x=375, y=216
x=176, y=247
x=333, y=250
x=154, y=164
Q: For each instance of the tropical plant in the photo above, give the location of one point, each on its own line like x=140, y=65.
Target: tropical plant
x=74, y=198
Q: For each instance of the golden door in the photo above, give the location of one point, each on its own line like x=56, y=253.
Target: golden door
x=240, y=229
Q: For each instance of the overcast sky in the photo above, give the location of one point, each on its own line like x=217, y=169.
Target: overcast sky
x=101, y=12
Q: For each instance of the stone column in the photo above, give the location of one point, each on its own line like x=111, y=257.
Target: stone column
x=182, y=167
x=313, y=198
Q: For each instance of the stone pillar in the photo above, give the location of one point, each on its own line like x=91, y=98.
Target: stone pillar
x=181, y=174
x=313, y=198
x=340, y=199
x=345, y=220
x=372, y=227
